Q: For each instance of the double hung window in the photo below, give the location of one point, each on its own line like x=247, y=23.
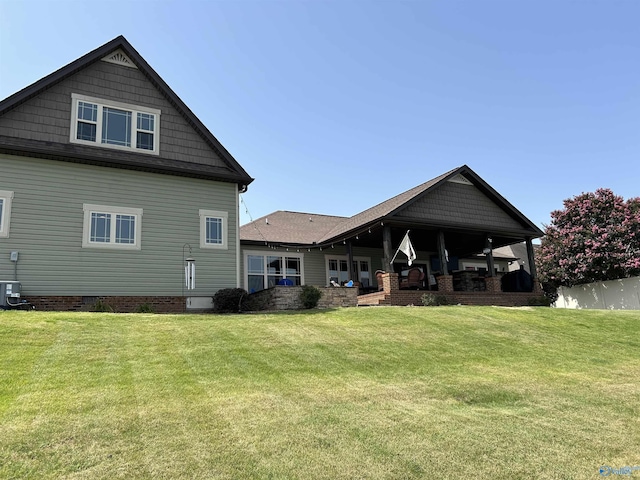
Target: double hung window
x=5, y=212
x=213, y=229
x=114, y=124
x=112, y=227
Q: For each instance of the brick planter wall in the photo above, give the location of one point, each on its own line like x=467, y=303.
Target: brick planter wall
x=288, y=298
x=119, y=304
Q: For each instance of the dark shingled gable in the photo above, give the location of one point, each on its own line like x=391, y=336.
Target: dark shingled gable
x=296, y=228
x=232, y=172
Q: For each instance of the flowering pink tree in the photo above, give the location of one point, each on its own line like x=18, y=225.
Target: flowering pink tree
x=596, y=237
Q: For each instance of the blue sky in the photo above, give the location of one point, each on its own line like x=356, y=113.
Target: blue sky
x=335, y=106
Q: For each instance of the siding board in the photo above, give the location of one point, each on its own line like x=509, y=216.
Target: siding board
x=47, y=222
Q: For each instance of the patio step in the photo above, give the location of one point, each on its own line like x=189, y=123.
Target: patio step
x=376, y=298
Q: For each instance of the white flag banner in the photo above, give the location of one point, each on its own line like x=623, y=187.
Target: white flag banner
x=406, y=248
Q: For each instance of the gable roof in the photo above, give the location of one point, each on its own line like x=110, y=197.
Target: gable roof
x=381, y=210
x=289, y=223
x=234, y=172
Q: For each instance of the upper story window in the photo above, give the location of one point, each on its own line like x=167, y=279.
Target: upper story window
x=111, y=227
x=114, y=125
x=5, y=212
x=213, y=229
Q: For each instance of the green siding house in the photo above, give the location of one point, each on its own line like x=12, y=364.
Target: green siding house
x=108, y=183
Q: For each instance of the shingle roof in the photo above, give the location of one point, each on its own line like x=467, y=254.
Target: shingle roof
x=296, y=228
x=235, y=171
x=382, y=209
x=289, y=227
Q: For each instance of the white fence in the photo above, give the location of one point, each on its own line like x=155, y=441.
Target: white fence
x=623, y=294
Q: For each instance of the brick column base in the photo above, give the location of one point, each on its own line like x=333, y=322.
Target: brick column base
x=537, y=288
x=390, y=282
x=494, y=284
x=445, y=283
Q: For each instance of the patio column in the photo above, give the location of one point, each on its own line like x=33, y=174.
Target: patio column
x=531, y=259
x=488, y=251
x=387, y=249
x=445, y=281
x=442, y=253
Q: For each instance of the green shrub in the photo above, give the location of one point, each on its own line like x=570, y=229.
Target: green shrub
x=144, y=308
x=541, y=301
x=309, y=296
x=102, y=306
x=229, y=300
x=431, y=300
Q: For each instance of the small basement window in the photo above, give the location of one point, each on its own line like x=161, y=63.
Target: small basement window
x=114, y=125
x=111, y=227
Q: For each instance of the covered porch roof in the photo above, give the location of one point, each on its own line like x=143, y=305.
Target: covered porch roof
x=458, y=205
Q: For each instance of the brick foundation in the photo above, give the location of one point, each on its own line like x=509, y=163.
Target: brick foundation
x=118, y=304
x=414, y=297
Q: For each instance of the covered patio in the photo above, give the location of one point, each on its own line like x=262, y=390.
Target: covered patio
x=455, y=223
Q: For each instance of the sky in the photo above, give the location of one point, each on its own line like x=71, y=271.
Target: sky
x=335, y=106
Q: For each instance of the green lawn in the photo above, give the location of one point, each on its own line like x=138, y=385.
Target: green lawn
x=440, y=392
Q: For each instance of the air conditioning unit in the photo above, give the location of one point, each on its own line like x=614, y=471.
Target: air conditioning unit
x=10, y=294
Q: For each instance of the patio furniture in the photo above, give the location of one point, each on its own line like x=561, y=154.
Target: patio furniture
x=414, y=279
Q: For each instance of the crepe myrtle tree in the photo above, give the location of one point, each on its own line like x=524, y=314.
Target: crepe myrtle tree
x=595, y=237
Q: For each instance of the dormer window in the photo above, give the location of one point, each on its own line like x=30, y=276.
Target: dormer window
x=114, y=125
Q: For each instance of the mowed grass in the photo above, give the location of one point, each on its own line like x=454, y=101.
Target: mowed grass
x=447, y=392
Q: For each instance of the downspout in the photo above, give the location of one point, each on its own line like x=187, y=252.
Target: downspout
x=238, y=284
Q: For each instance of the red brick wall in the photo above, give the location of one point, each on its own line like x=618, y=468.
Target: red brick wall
x=414, y=297
x=117, y=304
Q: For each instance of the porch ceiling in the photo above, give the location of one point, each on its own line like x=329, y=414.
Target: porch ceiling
x=458, y=242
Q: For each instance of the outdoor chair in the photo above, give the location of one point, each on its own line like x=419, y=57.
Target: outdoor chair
x=414, y=279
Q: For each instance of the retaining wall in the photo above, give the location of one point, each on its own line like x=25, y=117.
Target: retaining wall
x=288, y=298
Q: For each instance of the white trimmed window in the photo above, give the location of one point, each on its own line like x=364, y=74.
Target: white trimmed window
x=111, y=227
x=264, y=270
x=114, y=125
x=5, y=212
x=213, y=229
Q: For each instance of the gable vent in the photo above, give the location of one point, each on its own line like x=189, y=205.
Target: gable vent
x=119, y=58
x=460, y=179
